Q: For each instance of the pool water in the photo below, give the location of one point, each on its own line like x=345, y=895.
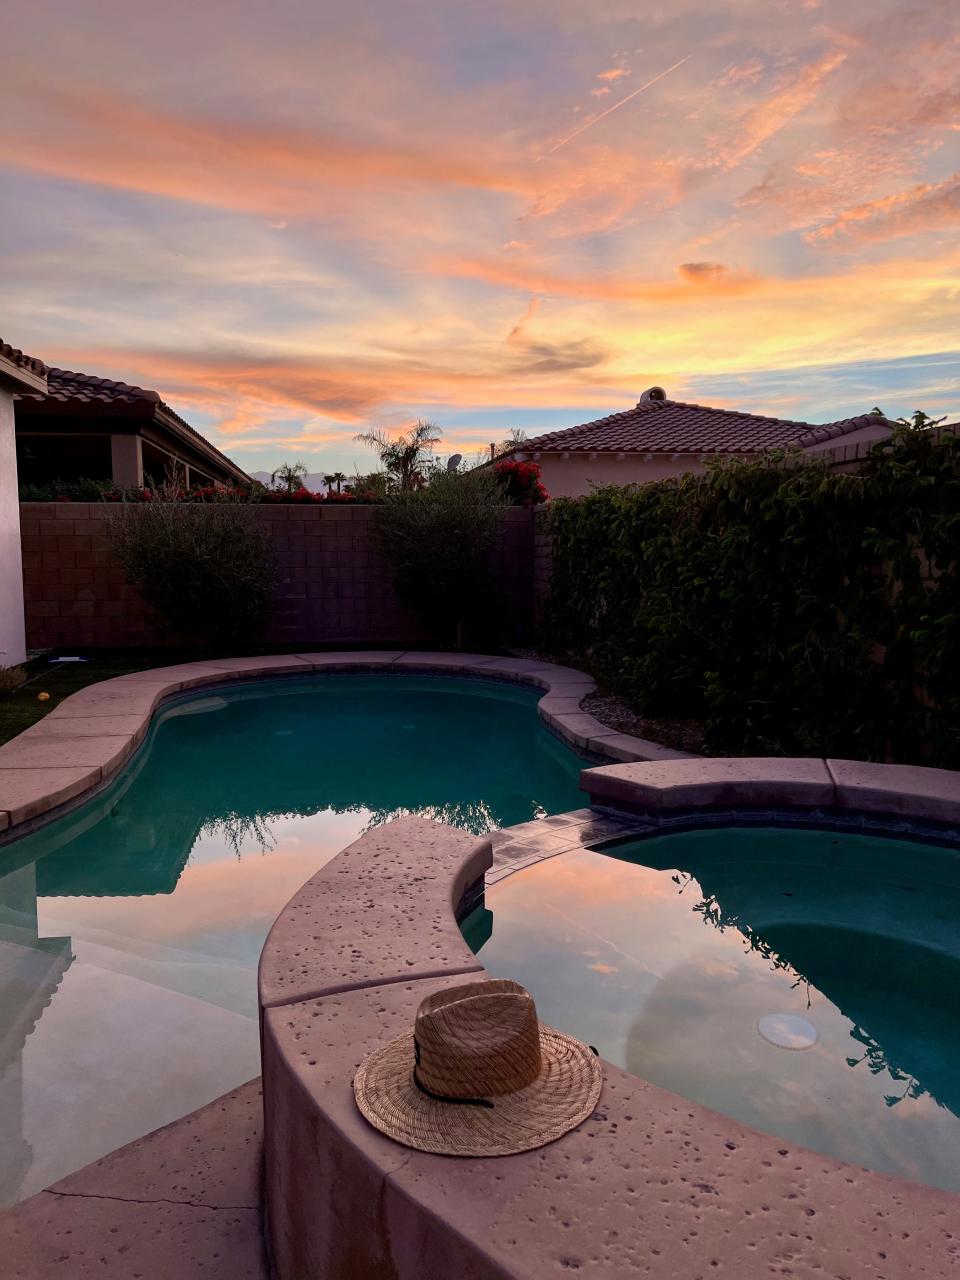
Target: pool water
x=804, y=983
x=131, y=929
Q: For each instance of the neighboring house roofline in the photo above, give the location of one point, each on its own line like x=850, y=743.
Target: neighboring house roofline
x=69, y=386
x=27, y=372
x=657, y=425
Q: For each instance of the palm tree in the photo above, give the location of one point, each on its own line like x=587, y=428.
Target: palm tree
x=516, y=436
x=920, y=421
x=289, y=473
x=405, y=456
x=337, y=478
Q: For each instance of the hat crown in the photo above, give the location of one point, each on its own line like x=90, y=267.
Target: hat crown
x=479, y=1040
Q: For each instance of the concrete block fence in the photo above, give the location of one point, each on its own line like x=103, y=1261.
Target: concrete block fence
x=334, y=584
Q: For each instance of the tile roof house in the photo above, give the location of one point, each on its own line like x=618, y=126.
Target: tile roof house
x=95, y=428
x=660, y=438
x=18, y=373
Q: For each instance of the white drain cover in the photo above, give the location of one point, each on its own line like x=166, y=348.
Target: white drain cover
x=788, y=1031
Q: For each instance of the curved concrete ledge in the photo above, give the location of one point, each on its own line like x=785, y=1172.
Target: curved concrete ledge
x=87, y=739
x=909, y=791
x=650, y=1185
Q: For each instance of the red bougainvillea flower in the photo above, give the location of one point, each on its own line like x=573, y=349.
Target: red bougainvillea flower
x=521, y=481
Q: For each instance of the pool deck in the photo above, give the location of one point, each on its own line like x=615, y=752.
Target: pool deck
x=650, y=1185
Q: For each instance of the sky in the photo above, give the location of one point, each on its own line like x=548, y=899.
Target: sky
x=303, y=220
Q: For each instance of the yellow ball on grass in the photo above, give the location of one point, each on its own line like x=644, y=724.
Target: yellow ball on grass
x=43, y=697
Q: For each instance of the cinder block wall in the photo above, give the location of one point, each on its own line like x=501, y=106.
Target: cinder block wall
x=334, y=585
x=542, y=559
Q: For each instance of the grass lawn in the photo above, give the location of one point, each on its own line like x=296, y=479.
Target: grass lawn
x=19, y=710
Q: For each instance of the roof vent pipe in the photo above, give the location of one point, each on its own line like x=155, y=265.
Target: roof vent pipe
x=653, y=395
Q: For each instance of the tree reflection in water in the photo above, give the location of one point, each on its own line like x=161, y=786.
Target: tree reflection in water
x=877, y=1058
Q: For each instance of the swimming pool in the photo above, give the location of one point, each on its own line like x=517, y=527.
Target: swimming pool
x=130, y=930
x=806, y=983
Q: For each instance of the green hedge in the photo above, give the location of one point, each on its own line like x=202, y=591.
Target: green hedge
x=787, y=605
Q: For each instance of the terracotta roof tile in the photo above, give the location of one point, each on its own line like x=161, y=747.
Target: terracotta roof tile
x=64, y=385
x=658, y=425
x=22, y=361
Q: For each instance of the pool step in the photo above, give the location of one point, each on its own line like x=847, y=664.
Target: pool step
x=183, y=1203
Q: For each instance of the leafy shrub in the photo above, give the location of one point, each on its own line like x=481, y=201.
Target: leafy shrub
x=207, y=572
x=11, y=679
x=521, y=480
x=439, y=543
x=66, y=491
x=797, y=610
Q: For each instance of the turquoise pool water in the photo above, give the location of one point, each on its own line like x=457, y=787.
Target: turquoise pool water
x=130, y=930
x=805, y=983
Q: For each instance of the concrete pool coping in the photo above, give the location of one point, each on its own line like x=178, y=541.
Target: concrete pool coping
x=90, y=736
x=650, y=1185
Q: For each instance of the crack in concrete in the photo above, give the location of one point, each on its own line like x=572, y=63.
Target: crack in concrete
x=368, y=984
x=188, y=1204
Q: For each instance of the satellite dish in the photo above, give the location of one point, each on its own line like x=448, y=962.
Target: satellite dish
x=454, y=461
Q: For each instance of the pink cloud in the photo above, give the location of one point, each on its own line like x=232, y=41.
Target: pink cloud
x=741, y=73
x=925, y=207
x=696, y=279
x=763, y=121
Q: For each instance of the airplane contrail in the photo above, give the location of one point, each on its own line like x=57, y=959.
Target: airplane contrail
x=616, y=106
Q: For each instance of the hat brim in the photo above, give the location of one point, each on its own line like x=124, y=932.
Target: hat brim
x=563, y=1095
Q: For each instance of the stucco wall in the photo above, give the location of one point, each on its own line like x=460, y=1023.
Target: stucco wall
x=334, y=584
x=865, y=436
x=575, y=476
x=12, y=646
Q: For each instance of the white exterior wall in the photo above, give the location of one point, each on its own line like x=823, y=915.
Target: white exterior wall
x=12, y=638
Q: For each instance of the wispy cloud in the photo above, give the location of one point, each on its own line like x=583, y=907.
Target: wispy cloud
x=616, y=106
x=925, y=207
x=768, y=117
x=696, y=279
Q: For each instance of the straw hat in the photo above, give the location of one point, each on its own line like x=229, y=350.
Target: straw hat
x=478, y=1076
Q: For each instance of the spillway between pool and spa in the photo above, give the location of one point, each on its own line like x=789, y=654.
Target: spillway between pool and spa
x=130, y=929
x=803, y=982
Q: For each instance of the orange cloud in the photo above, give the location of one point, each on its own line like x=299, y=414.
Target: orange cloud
x=741, y=73
x=696, y=281
x=244, y=394
x=703, y=270
x=518, y=329
x=609, y=340
x=925, y=207
x=768, y=117
x=109, y=138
